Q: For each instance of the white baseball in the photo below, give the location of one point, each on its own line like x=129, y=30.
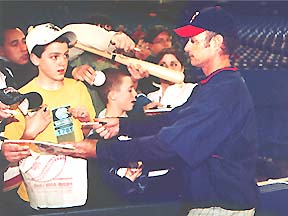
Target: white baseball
x=99, y=78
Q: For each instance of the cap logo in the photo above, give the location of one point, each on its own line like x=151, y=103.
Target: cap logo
x=9, y=89
x=194, y=16
x=52, y=26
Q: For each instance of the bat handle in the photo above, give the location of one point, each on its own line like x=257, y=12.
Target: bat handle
x=153, y=69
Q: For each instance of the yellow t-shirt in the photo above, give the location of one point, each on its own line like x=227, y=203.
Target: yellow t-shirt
x=73, y=93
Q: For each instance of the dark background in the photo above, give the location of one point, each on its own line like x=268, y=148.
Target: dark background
x=129, y=13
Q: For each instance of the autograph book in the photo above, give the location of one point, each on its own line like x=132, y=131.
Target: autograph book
x=46, y=146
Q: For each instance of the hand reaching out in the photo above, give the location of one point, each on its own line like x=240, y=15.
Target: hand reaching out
x=36, y=123
x=122, y=41
x=81, y=113
x=83, y=149
x=108, y=129
x=84, y=73
x=4, y=114
x=137, y=72
x=15, y=152
x=133, y=173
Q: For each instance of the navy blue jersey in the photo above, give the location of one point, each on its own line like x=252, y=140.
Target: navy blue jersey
x=214, y=136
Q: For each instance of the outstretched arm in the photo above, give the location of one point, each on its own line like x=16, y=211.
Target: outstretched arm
x=99, y=38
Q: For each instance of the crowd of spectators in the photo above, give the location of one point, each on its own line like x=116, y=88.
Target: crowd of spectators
x=118, y=97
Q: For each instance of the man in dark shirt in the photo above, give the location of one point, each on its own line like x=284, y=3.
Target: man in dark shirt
x=213, y=133
x=14, y=57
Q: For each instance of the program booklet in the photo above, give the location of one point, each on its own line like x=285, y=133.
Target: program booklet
x=42, y=146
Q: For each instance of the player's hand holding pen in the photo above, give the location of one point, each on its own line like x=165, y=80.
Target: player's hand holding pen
x=104, y=127
x=109, y=129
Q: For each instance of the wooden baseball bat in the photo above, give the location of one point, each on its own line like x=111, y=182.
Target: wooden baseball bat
x=153, y=69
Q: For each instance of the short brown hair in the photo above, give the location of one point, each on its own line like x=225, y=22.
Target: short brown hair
x=113, y=80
